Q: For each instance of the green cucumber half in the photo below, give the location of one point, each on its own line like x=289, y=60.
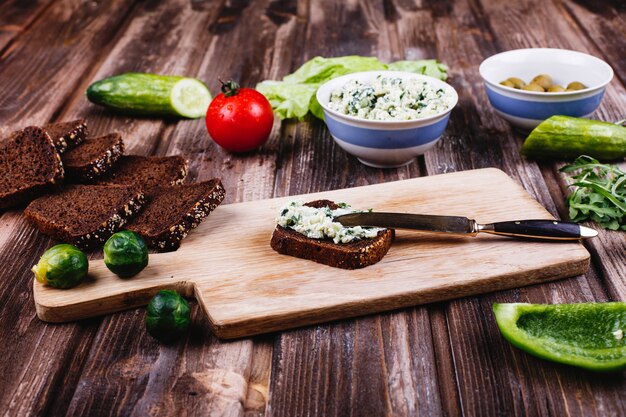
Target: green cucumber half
x=569, y=137
x=152, y=94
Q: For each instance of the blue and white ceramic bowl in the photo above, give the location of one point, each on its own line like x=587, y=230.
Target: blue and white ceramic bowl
x=526, y=109
x=384, y=143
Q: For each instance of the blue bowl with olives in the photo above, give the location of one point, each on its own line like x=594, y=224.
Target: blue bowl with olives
x=527, y=86
x=386, y=118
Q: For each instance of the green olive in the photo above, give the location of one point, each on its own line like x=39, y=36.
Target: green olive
x=576, y=85
x=507, y=83
x=517, y=83
x=555, y=89
x=543, y=80
x=533, y=87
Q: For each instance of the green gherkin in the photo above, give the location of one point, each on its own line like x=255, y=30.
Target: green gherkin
x=125, y=254
x=62, y=266
x=167, y=316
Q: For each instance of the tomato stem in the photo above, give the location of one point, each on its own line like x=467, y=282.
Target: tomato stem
x=229, y=88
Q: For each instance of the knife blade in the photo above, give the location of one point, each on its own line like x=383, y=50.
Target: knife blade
x=536, y=229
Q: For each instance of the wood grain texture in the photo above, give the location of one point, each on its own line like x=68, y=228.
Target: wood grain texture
x=262, y=291
x=210, y=27
x=481, y=358
x=35, y=358
x=70, y=39
x=310, y=161
x=441, y=359
x=16, y=16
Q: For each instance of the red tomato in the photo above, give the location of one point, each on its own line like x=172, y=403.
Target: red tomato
x=239, y=119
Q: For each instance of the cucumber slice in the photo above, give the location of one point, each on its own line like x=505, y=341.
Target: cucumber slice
x=587, y=335
x=152, y=95
x=190, y=98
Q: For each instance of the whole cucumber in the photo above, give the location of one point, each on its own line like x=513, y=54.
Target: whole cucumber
x=151, y=94
x=569, y=137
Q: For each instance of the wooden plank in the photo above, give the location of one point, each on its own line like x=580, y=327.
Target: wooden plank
x=264, y=47
x=572, y=36
x=193, y=377
x=306, y=151
x=259, y=380
x=265, y=292
x=604, y=24
x=410, y=375
x=35, y=357
x=16, y=16
x=414, y=37
x=45, y=63
x=481, y=358
x=295, y=152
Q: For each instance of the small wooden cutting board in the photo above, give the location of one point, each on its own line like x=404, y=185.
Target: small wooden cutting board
x=246, y=288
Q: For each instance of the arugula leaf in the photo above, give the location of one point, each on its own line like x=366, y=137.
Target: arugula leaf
x=598, y=193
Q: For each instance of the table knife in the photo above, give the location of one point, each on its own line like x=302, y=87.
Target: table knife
x=536, y=229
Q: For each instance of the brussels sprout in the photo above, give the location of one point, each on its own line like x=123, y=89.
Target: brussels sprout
x=167, y=316
x=62, y=266
x=576, y=85
x=125, y=254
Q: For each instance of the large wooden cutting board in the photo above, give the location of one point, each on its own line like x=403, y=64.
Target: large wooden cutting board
x=246, y=288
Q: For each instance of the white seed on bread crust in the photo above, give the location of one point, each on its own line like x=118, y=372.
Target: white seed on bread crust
x=113, y=224
x=183, y=174
x=76, y=135
x=170, y=240
x=99, y=166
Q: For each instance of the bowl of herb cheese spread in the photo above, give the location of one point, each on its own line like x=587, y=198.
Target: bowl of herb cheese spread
x=386, y=118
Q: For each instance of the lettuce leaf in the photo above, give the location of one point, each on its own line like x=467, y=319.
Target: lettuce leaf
x=288, y=99
x=430, y=67
x=294, y=96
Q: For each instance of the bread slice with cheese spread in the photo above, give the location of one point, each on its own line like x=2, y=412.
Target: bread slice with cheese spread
x=356, y=254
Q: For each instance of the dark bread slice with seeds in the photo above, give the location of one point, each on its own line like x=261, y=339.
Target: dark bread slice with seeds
x=85, y=215
x=173, y=211
x=352, y=255
x=67, y=135
x=148, y=172
x=29, y=166
x=93, y=158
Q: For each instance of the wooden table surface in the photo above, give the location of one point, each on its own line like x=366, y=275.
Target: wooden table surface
x=441, y=359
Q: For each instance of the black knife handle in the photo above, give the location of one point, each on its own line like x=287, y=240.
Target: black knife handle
x=538, y=229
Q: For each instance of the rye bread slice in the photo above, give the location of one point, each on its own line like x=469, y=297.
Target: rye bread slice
x=148, y=172
x=85, y=215
x=352, y=255
x=93, y=158
x=173, y=211
x=29, y=165
x=67, y=135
